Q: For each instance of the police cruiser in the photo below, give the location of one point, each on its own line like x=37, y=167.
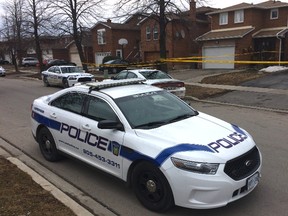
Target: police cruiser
x=65, y=76
x=169, y=153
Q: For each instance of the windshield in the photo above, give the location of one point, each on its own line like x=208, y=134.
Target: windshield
x=71, y=70
x=154, y=109
x=155, y=74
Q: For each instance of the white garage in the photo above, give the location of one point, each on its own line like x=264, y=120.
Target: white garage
x=99, y=56
x=218, y=57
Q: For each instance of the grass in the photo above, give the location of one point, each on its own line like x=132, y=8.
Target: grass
x=20, y=195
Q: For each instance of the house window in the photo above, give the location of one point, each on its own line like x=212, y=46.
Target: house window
x=101, y=36
x=274, y=14
x=119, y=53
x=155, y=32
x=148, y=33
x=223, y=18
x=239, y=16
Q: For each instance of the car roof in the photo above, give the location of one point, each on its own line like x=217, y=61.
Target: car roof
x=62, y=66
x=118, y=88
x=142, y=70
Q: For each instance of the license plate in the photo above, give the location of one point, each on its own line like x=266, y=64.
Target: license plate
x=253, y=181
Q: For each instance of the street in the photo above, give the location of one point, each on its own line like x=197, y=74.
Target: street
x=269, y=130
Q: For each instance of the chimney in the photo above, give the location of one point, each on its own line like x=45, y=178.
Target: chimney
x=193, y=10
x=109, y=21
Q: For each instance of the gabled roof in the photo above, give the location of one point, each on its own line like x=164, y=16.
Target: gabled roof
x=262, y=6
x=184, y=15
x=240, y=6
x=271, y=4
x=228, y=33
x=118, y=26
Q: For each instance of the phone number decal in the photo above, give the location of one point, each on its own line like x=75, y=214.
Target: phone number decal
x=102, y=159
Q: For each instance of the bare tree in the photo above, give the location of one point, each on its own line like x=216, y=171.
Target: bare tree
x=74, y=16
x=13, y=30
x=160, y=10
x=37, y=20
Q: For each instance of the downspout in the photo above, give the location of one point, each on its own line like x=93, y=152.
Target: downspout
x=280, y=47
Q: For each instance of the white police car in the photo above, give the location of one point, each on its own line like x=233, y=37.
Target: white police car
x=167, y=151
x=65, y=75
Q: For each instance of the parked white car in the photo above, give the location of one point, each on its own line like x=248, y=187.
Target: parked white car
x=29, y=61
x=65, y=75
x=156, y=78
x=167, y=151
x=2, y=71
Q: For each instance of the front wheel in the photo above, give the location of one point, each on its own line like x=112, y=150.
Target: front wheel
x=45, y=81
x=65, y=83
x=152, y=188
x=47, y=145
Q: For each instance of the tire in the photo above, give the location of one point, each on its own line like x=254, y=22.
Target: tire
x=47, y=145
x=65, y=83
x=114, y=70
x=152, y=188
x=45, y=81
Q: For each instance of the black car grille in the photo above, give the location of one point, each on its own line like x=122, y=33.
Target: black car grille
x=84, y=79
x=244, y=165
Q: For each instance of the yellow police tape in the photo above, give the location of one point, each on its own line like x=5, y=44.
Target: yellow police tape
x=197, y=59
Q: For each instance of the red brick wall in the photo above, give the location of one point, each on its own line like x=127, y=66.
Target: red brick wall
x=112, y=38
x=180, y=39
x=253, y=17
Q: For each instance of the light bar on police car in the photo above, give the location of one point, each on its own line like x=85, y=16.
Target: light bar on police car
x=113, y=83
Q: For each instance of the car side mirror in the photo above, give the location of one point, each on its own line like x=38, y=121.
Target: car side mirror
x=110, y=124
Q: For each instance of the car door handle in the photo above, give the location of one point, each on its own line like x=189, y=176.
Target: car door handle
x=86, y=127
x=53, y=115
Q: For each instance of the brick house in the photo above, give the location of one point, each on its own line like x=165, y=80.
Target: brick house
x=116, y=39
x=181, y=32
x=246, y=32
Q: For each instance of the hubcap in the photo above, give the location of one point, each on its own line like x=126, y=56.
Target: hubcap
x=48, y=144
x=151, y=186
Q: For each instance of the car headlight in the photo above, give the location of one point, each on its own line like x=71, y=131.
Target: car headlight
x=72, y=78
x=198, y=167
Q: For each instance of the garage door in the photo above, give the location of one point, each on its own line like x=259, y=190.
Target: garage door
x=99, y=56
x=75, y=58
x=222, y=54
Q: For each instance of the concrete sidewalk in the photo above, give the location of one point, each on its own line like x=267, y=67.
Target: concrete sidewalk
x=242, y=88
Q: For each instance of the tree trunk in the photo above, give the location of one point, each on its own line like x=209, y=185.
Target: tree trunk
x=162, y=36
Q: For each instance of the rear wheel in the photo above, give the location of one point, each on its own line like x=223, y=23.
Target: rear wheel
x=151, y=187
x=114, y=70
x=47, y=145
x=45, y=81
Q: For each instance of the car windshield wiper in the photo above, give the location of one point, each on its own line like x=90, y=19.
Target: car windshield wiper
x=160, y=123
x=184, y=116
x=151, y=125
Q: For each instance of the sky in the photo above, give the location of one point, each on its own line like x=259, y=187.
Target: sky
x=211, y=3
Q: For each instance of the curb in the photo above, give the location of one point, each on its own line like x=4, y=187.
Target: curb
x=75, y=202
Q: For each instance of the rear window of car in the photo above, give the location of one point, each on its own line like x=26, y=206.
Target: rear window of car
x=155, y=74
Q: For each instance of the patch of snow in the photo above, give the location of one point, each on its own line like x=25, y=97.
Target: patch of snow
x=272, y=69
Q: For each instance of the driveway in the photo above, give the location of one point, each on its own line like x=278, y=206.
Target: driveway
x=247, y=97
x=277, y=80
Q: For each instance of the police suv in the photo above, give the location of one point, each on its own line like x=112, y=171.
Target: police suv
x=168, y=152
x=65, y=76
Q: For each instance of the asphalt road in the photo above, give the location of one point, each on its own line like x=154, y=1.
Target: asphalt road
x=269, y=130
